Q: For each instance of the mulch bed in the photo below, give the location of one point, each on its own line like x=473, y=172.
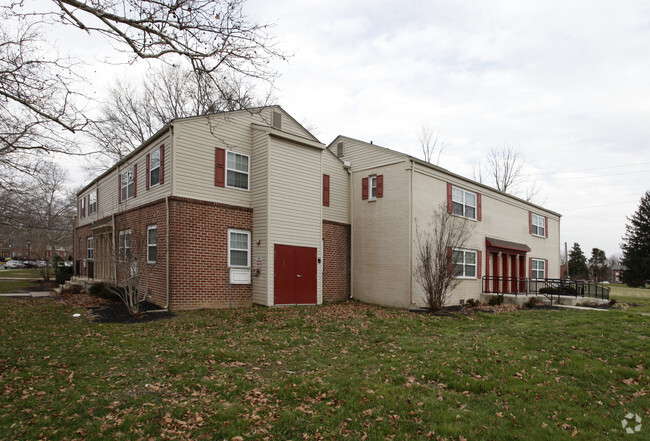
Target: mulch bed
x=108, y=311
x=468, y=310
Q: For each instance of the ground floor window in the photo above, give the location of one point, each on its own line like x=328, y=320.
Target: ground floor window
x=239, y=244
x=152, y=243
x=90, y=249
x=538, y=269
x=125, y=245
x=464, y=263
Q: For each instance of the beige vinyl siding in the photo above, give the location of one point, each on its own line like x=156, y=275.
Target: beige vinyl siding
x=503, y=218
x=295, y=199
x=108, y=186
x=259, y=203
x=362, y=155
x=339, y=189
x=380, y=239
x=289, y=125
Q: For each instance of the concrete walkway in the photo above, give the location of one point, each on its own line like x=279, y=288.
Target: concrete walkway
x=584, y=308
x=27, y=294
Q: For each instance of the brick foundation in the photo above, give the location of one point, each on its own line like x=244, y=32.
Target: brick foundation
x=336, y=263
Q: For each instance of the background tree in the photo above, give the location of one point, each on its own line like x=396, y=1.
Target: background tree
x=37, y=88
x=436, y=241
x=636, y=245
x=578, y=268
x=430, y=143
x=598, y=265
x=135, y=112
x=505, y=169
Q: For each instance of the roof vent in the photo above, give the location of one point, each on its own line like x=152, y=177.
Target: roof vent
x=276, y=120
x=339, y=149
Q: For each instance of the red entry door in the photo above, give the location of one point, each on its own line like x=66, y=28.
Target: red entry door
x=295, y=275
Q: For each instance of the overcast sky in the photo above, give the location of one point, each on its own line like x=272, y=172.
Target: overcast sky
x=566, y=82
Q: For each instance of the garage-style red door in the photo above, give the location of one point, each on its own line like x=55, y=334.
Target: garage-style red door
x=295, y=275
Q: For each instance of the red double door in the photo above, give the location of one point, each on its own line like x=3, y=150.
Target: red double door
x=295, y=275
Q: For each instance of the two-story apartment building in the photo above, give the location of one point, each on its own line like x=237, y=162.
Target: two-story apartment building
x=249, y=207
x=227, y=210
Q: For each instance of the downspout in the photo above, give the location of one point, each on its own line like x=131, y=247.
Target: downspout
x=411, y=235
x=166, y=308
x=114, y=247
x=350, y=220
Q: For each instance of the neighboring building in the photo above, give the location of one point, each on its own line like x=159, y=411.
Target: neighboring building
x=390, y=191
x=616, y=274
x=228, y=209
x=248, y=207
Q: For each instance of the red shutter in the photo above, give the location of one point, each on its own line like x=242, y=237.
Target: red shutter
x=326, y=190
x=364, y=188
x=530, y=267
x=449, y=261
x=220, y=168
x=119, y=188
x=162, y=164
x=479, y=255
x=546, y=226
x=380, y=186
x=479, y=214
x=135, y=180
x=449, y=203
x=530, y=222
x=148, y=169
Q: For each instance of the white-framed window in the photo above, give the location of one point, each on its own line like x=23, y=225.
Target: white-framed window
x=372, y=182
x=90, y=249
x=463, y=263
x=125, y=245
x=152, y=243
x=538, y=225
x=538, y=269
x=237, y=166
x=463, y=203
x=239, y=244
x=128, y=184
x=92, y=203
x=154, y=168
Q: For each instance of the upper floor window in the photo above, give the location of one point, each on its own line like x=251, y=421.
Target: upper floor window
x=538, y=225
x=236, y=170
x=127, y=183
x=537, y=269
x=463, y=203
x=154, y=168
x=92, y=203
x=239, y=242
x=82, y=207
x=464, y=263
x=373, y=187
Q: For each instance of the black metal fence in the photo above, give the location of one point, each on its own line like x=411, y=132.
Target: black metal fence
x=546, y=287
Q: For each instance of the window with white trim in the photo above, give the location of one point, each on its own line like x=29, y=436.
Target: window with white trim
x=125, y=245
x=154, y=168
x=82, y=207
x=152, y=243
x=463, y=263
x=239, y=244
x=90, y=250
x=538, y=269
x=128, y=184
x=92, y=203
x=463, y=203
x=373, y=186
x=538, y=225
x=237, y=167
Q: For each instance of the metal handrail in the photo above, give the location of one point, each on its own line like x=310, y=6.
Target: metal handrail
x=546, y=287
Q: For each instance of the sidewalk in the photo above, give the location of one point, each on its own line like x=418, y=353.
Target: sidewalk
x=27, y=294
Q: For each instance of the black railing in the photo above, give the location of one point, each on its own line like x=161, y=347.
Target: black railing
x=546, y=287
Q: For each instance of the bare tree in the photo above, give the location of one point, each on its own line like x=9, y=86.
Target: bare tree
x=430, y=142
x=505, y=170
x=436, y=241
x=37, y=97
x=133, y=113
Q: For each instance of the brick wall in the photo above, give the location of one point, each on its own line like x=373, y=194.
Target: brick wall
x=79, y=250
x=199, y=261
x=137, y=220
x=336, y=263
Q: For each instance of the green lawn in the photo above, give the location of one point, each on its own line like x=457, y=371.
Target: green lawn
x=28, y=273
x=9, y=286
x=342, y=371
x=625, y=296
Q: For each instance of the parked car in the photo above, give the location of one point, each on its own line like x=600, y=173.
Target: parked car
x=13, y=264
x=41, y=263
x=29, y=264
